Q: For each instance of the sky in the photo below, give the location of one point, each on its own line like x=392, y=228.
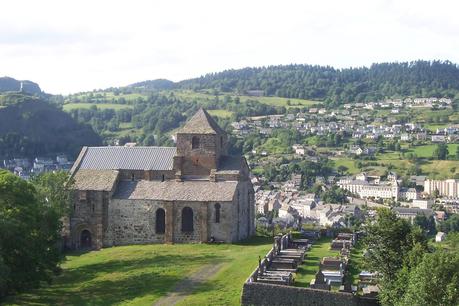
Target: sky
x=72, y=46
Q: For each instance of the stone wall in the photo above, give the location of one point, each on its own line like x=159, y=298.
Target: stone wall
x=200, y=161
x=134, y=222
x=88, y=213
x=267, y=294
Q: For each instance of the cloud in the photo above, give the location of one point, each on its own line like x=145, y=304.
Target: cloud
x=69, y=46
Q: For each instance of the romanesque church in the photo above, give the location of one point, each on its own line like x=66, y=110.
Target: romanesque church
x=194, y=192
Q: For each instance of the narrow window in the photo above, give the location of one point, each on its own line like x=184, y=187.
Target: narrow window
x=217, y=212
x=187, y=219
x=195, y=142
x=132, y=177
x=160, y=221
x=162, y=178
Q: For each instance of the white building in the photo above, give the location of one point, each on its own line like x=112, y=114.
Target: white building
x=446, y=188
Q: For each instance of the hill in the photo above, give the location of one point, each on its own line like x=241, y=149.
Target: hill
x=159, y=84
x=32, y=127
x=10, y=84
x=418, y=78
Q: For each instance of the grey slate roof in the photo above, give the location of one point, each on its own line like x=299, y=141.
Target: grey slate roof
x=413, y=210
x=128, y=158
x=177, y=191
x=201, y=123
x=99, y=180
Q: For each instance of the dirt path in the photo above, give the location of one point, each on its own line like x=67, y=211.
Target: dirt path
x=186, y=286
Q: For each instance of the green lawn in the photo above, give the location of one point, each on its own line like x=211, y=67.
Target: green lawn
x=356, y=262
x=274, y=101
x=348, y=163
x=140, y=275
x=426, y=151
x=222, y=113
x=273, y=146
x=71, y=106
x=307, y=271
x=104, y=96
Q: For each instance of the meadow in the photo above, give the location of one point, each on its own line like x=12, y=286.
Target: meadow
x=273, y=101
x=142, y=274
x=70, y=106
x=307, y=271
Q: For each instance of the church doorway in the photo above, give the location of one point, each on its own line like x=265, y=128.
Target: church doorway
x=85, y=239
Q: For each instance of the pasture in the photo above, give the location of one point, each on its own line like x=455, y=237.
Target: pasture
x=142, y=274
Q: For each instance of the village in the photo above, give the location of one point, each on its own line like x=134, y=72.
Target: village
x=359, y=121
x=25, y=168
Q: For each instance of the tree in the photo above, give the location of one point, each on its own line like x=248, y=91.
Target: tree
x=457, y=153
x=335, y=195
x=441, y=152
x=427, y=224
x=389, y=242
x=435, y=281
x=29, y=232
x=53, y=190
x=342, y=169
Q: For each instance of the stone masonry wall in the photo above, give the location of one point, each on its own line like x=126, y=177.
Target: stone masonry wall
x=267, y=294
x=134, y=222
x=87, y=214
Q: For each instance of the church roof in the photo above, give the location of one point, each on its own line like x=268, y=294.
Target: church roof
x=201, y=123
x=99, y=180
x=177, y=191
x=127, y=158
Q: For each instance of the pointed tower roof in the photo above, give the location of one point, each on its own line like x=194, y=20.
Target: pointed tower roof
x=201, y=123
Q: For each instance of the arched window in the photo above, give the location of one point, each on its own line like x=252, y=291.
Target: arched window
x=187, y=219
x=217, y=212
x=195, y=142
x=160, y=221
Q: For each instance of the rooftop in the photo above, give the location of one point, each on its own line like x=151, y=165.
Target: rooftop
x=128, y=158
x=177, y=191
x=201, y=123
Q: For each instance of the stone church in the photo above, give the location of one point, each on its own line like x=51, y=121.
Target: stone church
x=194, y=192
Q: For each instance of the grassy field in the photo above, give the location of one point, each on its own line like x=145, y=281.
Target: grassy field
x=438, y=169
x=347, y=162
x=222, y=113
x=307, y=271
x=104, y=96
x=356, y=262
x=426, y=151
x=140, y=275
x=274, y=101
x=70, y=106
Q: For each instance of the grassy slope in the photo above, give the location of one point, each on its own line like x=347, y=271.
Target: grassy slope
x=439, y=169
x=274, y=101
x=69, y=106
x=308, y=270
x=139, y=275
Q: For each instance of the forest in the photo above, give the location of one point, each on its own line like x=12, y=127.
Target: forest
x=338, y=86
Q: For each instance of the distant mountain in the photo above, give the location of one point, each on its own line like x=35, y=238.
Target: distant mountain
x=32, y=127
x=159, y=84
x=379, y=81
x=10, y=84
